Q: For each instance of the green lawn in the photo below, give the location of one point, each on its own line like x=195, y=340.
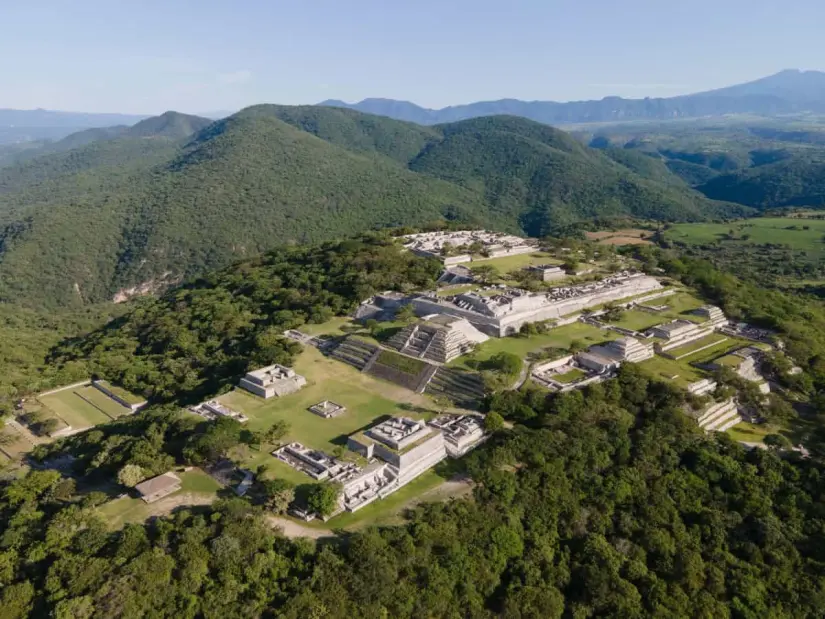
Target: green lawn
x=83, y=407
x=760, y=230
x=680, y=304
x=103, y=402
x=198, y=482
x=729, y=360
x=335, y=326
x=200, y=486
x=665, y=369
x=120, y=392
x=706, y=356
x=365, y=398
x=571, y=376
x=708, y=343
x=638, y=320
x=751, y=433
x=382, y=510
x=510, y=263
x=73, y=409
x=454, y=290
x=559, y=337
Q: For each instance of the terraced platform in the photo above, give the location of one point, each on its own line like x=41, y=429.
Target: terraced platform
x=464, y=388
x=355, y=352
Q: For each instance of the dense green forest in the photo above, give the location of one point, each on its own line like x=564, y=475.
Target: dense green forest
x=603, y=502
x=152, y=207
x=798, y=181
x=196, y=340
x=608, y=503
x=27, y=336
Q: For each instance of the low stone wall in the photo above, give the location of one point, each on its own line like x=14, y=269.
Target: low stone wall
x=655, y=295
x=83, y=383
x=552, y=365
x=103, y=389
x=666, y=351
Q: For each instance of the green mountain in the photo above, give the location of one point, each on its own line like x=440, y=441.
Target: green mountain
x=127, y=215
x=172, y=125
x=647, y=165
x=799, y=181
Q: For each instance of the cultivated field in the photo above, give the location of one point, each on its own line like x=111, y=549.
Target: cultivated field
x=627, y=236
x=799, y=234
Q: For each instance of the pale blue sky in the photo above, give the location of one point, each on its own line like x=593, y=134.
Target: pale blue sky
x=147, y=56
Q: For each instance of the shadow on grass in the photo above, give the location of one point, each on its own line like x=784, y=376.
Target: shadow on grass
x=341, y=439
x=385, y=334
x=414, y=408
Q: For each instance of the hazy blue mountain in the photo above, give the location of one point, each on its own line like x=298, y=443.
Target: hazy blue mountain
x=53, y=118
x=791, y=85
x=18, y=126
x=170, y=125
x=783, y=93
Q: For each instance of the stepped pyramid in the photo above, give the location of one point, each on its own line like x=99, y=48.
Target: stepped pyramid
x=440, y=338
x=625, y=349
x=719, y=416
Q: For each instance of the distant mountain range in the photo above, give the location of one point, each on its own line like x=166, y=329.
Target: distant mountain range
x=18, y=126
x=23, y=126
x=787, y=92
x=173, y=125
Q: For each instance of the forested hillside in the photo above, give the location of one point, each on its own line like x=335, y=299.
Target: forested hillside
x=135, y=213
x=169, y=350
x=547, y=179
x=611, y=506
x=798, y=181
x=602, y=502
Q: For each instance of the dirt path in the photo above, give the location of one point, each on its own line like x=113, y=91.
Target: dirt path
x=166, y=506
x=522, y=377
x=294, y=529
x=453, y=488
